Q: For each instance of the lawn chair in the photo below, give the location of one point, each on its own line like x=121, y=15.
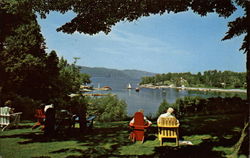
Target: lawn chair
x=168, y=127
x=7, y=119
x=138, y=133
x=40, y=119
x=89, y=121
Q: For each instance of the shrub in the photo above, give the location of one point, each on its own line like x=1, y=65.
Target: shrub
x=197, y=105
x=78, y=105
x=25, y=105
x=187, y=104
x=109, y=108
x=163, y=107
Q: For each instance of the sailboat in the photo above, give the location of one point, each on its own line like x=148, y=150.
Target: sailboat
x=129, y=86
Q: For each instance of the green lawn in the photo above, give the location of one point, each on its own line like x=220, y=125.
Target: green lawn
x=212, y=136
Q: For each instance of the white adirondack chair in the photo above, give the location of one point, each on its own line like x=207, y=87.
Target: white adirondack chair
x=7, y=120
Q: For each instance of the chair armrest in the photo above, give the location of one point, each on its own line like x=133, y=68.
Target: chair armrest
x=139, y=126
x=18, y=113
x=168, y=126
x=13, y=114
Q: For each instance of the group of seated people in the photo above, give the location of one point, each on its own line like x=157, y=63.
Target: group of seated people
x=148, y=123
x=140, y=123
x=53, y=120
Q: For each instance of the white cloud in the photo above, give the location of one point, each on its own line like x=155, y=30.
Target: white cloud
x=121, y=42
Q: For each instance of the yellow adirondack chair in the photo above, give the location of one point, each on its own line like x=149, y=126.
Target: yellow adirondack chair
x=7, y=120
x=168, y=127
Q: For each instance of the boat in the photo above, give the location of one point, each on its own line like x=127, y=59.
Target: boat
x=129, y=86
x=107, y=87
x=86, y=90
x=86, y=87
x=137, y=89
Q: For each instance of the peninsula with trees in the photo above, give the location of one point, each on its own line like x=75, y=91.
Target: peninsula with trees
x=211, y=80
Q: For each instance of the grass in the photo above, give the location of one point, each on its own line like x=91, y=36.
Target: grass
x=212, y=136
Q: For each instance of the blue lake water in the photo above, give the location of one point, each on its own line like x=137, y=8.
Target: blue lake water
x=149, y=99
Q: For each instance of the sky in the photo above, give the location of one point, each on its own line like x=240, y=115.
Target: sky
x=183, y=42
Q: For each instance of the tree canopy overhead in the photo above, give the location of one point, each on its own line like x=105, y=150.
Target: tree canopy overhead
x=94, y=16
x=100, y=15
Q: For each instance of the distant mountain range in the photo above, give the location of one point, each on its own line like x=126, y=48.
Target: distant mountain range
x=114, y=73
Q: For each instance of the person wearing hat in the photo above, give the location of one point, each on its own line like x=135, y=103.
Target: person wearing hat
x=167, y=114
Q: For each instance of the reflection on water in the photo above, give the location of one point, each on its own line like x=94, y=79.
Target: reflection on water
x=150, y=99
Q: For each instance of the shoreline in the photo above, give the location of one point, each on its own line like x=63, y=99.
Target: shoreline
x=150, y=86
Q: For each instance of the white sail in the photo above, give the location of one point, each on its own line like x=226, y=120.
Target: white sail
x=129, y=86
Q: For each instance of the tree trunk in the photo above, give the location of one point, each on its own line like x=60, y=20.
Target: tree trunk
x=248, y=75
x=248, y=51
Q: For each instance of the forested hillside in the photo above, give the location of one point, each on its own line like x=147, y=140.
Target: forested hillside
x=210, y=78
x=114, y=73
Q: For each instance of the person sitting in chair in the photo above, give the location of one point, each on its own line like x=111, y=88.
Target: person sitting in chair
x=50, y=120
x=40, y=115
x=168, y=126
x=147, y=122
x=8, y=105
x=139, y=125
x=167, y=114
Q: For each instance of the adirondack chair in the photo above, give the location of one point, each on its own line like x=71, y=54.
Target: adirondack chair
x=40, y=116
x=168, y=128
x=89, y=121
x=7, y=119
x=138, y=128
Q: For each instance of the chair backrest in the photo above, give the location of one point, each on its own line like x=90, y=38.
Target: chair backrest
x=5, y=111
x=138, y=127
x=90, y=121
x=4, y=116
x=139, y=120
x=168, y=127
x=167, y=122
x=39, y=114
